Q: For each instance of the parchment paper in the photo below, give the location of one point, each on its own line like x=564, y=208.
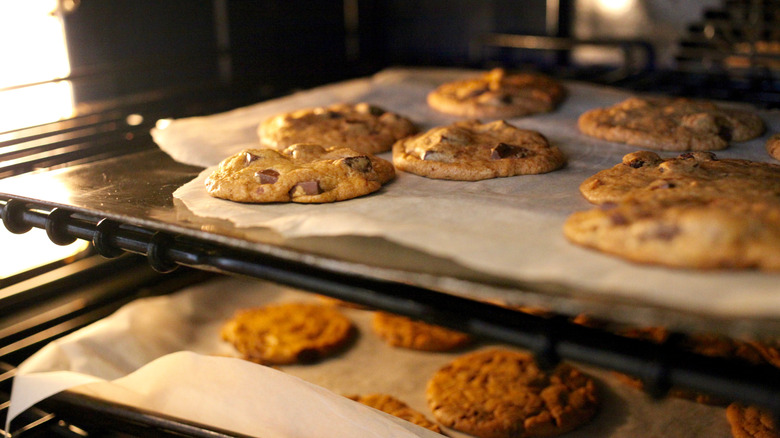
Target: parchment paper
x=508, y=227
x=164, y=354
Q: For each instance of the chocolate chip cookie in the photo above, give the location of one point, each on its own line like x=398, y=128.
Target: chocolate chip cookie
x=671, y=124
x=692, y=211
x=773, y=146
x=717, y=234
x=362, y=127
x=305, y=173
x=498, y=94
x=400, y=331
x=393, y=406
x=693, y=175
x=469, y=150
x=500, y=393
x=751, y=422
x=287, y=333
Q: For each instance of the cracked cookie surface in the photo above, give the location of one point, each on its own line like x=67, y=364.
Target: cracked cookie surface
x=671, y=124
x=361, y=127
x=751, y=422
x=287, y=333
x=692, y=211
x=469, y=150
x=498, y=94
x=305, y=173
x=500, y=393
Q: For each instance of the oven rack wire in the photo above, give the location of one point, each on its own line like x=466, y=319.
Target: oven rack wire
x=660, y=366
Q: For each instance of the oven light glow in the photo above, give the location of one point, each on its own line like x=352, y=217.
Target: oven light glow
x=616, y=7
x=33, y=50
x=32, y=249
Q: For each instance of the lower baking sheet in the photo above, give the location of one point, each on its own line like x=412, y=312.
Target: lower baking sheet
x=165, y=354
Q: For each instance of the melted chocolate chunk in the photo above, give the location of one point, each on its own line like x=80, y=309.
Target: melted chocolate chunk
x=432, y=155
x=267, y=176
x=636, y=163
x=617, y=218
x=306, y=188
x=360, y=163
x=503, y=150
x=249, y=158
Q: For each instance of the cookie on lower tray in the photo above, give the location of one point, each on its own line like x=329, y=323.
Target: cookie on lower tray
x=362, y=127
x=393, y=406
x=710, y=345
x=305, y=173
x=469, y=150
x=773, y=146
x=498, y=94
x=499, y=393
x=279, y=334
x=671, y=124
x=400, y=331
x=751, y=422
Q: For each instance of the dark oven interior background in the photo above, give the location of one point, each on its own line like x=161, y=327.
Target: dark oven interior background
x=265, y=48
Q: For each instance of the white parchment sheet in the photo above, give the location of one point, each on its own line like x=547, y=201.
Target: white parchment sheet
x=165, y=354
x=509, y=227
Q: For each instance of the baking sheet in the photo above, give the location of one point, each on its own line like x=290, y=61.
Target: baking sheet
x=164, y=354
x=506, y=227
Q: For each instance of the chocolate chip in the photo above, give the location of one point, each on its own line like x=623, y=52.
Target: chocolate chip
x=667, y=232
x=617, y=218
x=663, y=184
x=360, y=163
x=334, y=115
x=375, y=110
x=249, y=158
x=503, y=150
x=506, y=99
x=636, y=163
x=305, y=188
x=431, y=155
x=267, y=176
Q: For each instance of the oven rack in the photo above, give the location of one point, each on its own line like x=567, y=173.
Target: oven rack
x=552, y=338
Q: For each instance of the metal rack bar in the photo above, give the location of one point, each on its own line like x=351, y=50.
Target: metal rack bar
x=661, y=366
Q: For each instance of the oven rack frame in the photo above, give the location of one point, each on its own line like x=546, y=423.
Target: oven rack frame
x=661, y=366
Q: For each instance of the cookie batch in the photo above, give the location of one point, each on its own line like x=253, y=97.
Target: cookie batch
x=483, y=390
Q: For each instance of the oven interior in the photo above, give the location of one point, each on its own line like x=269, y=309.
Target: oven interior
x=132, y=63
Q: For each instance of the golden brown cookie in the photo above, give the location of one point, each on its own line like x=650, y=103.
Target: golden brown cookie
x=498, y=94
x=501, y=394
x=751, y=422
x=692, y=211
x=362, y=127
x=400, y=331
x=279, y=334
x=773, y=146
x=469, y=150
x=393, y=406
x=305, y=173
x=692, y=175
x=671, y=124
x=720, y=234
